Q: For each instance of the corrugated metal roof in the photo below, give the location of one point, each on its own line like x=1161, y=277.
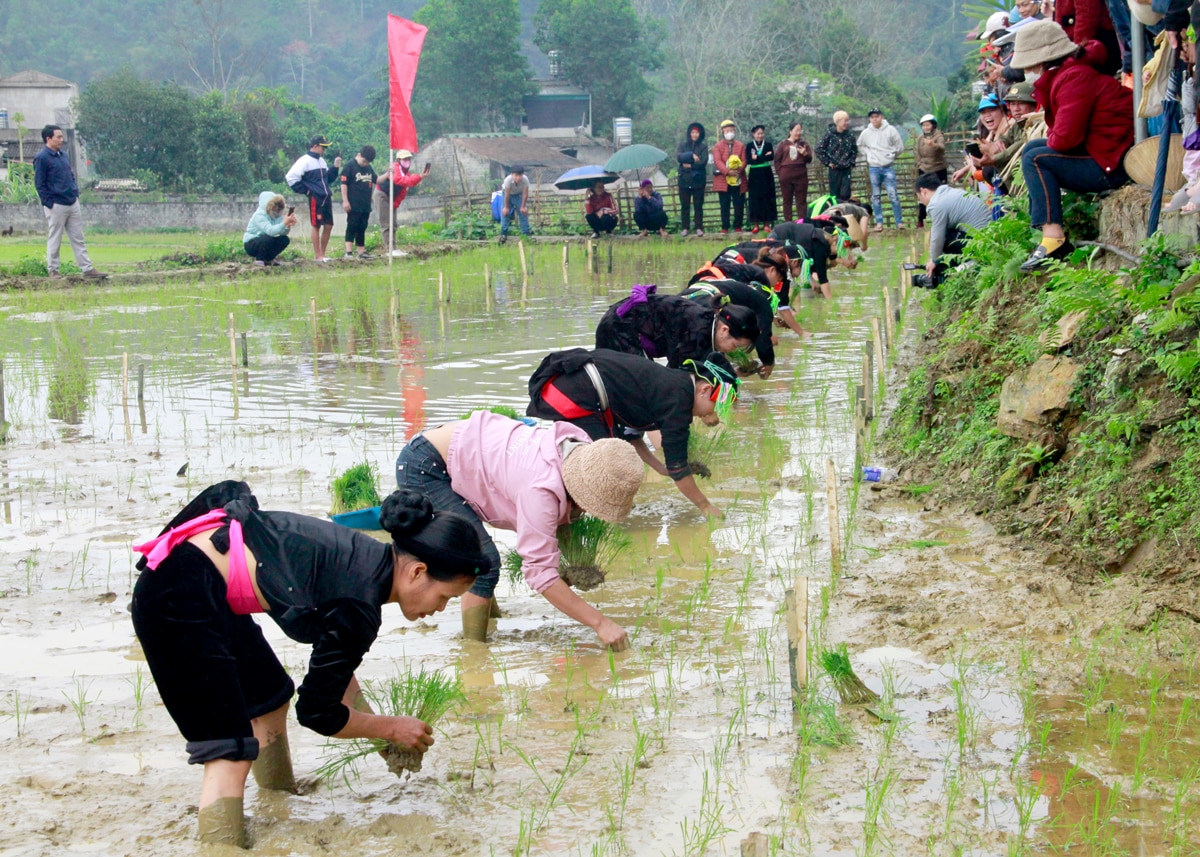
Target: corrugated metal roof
x=509, y=149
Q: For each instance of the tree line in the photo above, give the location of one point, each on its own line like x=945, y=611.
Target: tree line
x=662, y=62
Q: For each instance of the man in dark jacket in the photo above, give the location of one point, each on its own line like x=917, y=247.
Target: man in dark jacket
x=838, y=150
x=56, y=188
x=310, y=175
x=612, y=394
x=692, y=155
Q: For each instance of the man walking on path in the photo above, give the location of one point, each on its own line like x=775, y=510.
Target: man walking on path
x=310, y=175
x=882, y=143
x=56, y=188
x=838, y=151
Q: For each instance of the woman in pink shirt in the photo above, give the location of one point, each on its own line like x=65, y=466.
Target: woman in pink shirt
x=530, y=480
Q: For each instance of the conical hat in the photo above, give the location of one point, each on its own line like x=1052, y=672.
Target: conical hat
x=1141, y=11
x=1141, y=160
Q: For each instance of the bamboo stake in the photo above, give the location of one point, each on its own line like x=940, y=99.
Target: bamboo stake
x=245, y=352
x=610, y=243
x=3, y=421
x=441, y=287
x=888, y=321
x=125, y=394
x=566, y=254
x=593, y=257
x=868, y=373
x=312, y=312
x=524, y=261
x=880, y=354
x=487, y=276
x=395, y=327
x=141, y=385
x=860, y=417
x=232, y=345
x=796, y=600
x=835, y=524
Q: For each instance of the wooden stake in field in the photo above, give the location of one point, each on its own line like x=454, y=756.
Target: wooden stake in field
x=860, y=421
x=868, y=373
x=141, y=384
x=835, y=524
x=245, y=352
x=125, y=394
x=524, y=261
x=888, y=321
x=3, y=421
x=880, y=354
x=232, y=345
x=610, y=243
x=796, y=600
x=441, y=287
x=593, y=259
x=395, y=326
x=312, y=313
x=487, y=276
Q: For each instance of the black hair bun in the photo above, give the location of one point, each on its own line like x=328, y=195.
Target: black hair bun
x=405, y=512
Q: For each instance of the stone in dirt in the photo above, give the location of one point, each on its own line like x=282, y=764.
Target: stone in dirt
x=1035, y=398
x=582, y=577
x=1064, y=332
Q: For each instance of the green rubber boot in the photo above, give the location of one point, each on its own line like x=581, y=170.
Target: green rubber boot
x=222, y=822
x=273, y=767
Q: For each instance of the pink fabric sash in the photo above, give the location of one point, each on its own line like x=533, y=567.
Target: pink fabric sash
x=239, y=591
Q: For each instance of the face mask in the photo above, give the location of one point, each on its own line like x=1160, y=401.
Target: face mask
x=729, y=135
x=1032, y=76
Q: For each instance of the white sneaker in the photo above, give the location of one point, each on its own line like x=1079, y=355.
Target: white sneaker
x=398, y=254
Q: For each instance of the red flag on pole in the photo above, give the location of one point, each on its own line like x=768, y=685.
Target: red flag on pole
x=405, y=39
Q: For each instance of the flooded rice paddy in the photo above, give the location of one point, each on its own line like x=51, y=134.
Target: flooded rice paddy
x=1017, y=715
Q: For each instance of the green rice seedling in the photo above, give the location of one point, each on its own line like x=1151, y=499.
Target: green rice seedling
x=587, y=546
x=79, y=701
x=849, y=687
x=819, y=723
x=503, y=410
x=876, y=790
x=705, y=446
x=20, y=712
x=427, y=696
x=357, y=488
x=138, y=683
x=966, y=714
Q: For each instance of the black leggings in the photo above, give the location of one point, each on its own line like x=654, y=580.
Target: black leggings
x=691, y=201
x=601, y=222
x=213, y=668
x=265, y=248
x=356, y=227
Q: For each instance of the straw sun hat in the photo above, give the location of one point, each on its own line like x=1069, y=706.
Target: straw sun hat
x=1141, y=160
x=1041, y=42
x=603, y=476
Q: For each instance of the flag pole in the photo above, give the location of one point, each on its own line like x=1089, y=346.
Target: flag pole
x=391, y=205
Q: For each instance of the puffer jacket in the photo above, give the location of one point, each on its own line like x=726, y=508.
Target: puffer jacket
x=693, y=172
x=931, y=152
x=722, y=152
x=1087, y=109
x=310, y=175
x=837, y=149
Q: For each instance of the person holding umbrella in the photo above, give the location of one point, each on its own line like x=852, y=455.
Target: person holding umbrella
x=599, y=209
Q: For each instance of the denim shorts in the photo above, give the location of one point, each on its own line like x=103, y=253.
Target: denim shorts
x=421, y=468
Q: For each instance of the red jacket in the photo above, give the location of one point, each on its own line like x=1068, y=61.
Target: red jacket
x=721, y=154
x=1082, y=20
x=1086, y=109
x=402, y=180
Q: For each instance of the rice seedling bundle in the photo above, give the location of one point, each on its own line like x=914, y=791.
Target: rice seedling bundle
x=357, y=488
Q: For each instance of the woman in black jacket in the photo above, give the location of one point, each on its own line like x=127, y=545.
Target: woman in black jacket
x=692, y=155
x=221, y=559
x=674, y=327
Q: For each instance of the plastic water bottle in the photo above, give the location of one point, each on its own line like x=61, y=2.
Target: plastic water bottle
x=878, y=474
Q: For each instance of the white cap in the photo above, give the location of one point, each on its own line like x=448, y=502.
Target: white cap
x=995, y=22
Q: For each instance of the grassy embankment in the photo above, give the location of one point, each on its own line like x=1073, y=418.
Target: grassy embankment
x=1113, y=479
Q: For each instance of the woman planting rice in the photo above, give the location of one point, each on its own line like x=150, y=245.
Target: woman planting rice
x=674, y=327
x=531, y=480
x=221, y=559
x=610, y=394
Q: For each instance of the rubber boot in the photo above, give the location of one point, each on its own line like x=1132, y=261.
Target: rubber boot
x=223, y=823
x=273, y=767
x=475, y=622
x=494, y=609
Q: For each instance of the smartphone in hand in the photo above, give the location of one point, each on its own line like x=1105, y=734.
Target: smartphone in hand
x=973, y=149
x=291, y=211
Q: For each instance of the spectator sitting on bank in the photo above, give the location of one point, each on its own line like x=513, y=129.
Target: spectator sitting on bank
x=648, y=211
x=358, y=184
x=952, y=212
x=1026, y=124
x=997, y=134
x=388, y=198
x=514, y=201
x=1090, y=117
x=267, y=232
x=599, y=210
x=311, y=176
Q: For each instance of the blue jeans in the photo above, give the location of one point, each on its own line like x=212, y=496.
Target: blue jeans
x=1048, y=173
x=420, y=468
x=886, y=175
x=515, y=211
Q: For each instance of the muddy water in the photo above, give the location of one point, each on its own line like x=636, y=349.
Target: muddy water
x=683, y=745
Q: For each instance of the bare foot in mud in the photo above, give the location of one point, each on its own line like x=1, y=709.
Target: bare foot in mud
x=582, y=577
x=699, y=468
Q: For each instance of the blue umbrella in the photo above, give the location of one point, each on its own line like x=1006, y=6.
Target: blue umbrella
x=582, y=178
